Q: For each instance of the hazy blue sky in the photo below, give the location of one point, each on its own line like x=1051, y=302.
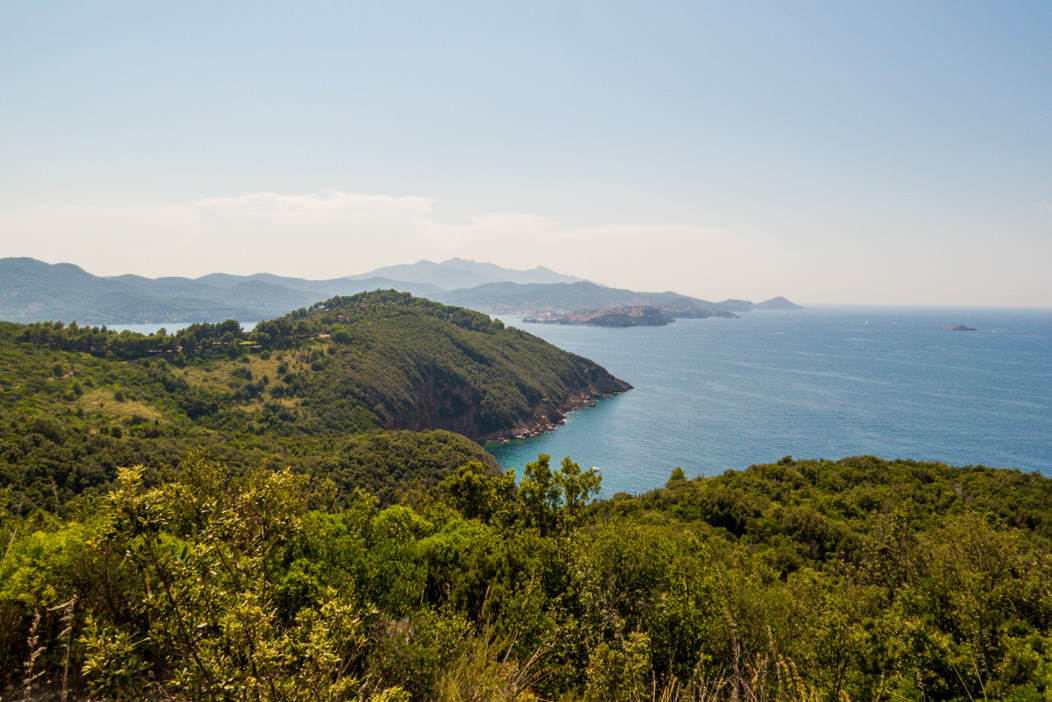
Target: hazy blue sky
x=826, y=151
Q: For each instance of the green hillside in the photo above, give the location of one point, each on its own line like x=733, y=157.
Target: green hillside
x=416, y=364
x=81, y=401
x=380, y=359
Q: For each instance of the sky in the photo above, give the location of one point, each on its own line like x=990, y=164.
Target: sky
x=830, y=152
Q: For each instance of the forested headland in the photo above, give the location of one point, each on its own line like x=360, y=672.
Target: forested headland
x=215, y=515
x=300, y=390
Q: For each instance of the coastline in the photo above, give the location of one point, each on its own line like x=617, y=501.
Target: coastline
x=555, y=416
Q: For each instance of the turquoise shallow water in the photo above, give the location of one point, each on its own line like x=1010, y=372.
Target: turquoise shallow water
x=819, y=383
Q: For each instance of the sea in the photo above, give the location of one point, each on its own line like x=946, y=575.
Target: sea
x=827, y=382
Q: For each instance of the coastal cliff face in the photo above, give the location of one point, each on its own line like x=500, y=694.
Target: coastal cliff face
x=459, y=408
x=549, y=418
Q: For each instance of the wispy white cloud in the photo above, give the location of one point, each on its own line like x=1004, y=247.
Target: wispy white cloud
x=329, y=205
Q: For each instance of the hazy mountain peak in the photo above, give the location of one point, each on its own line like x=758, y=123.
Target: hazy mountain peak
x=23, y=265
x=778, y=303
x=456, y=273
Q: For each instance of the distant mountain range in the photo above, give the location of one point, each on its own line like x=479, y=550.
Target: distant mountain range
x=31, y=290
x=458, y=273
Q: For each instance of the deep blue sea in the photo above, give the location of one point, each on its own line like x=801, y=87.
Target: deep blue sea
x=714, y=394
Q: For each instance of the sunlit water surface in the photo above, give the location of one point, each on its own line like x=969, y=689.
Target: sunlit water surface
x=715, y=394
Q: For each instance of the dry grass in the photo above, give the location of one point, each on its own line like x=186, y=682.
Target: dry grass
x=103, y=400
x=763, y=680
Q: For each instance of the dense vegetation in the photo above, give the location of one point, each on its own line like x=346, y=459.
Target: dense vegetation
x=218, y=515
x=381, y=359
x=804, y=580
x=302, y=390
